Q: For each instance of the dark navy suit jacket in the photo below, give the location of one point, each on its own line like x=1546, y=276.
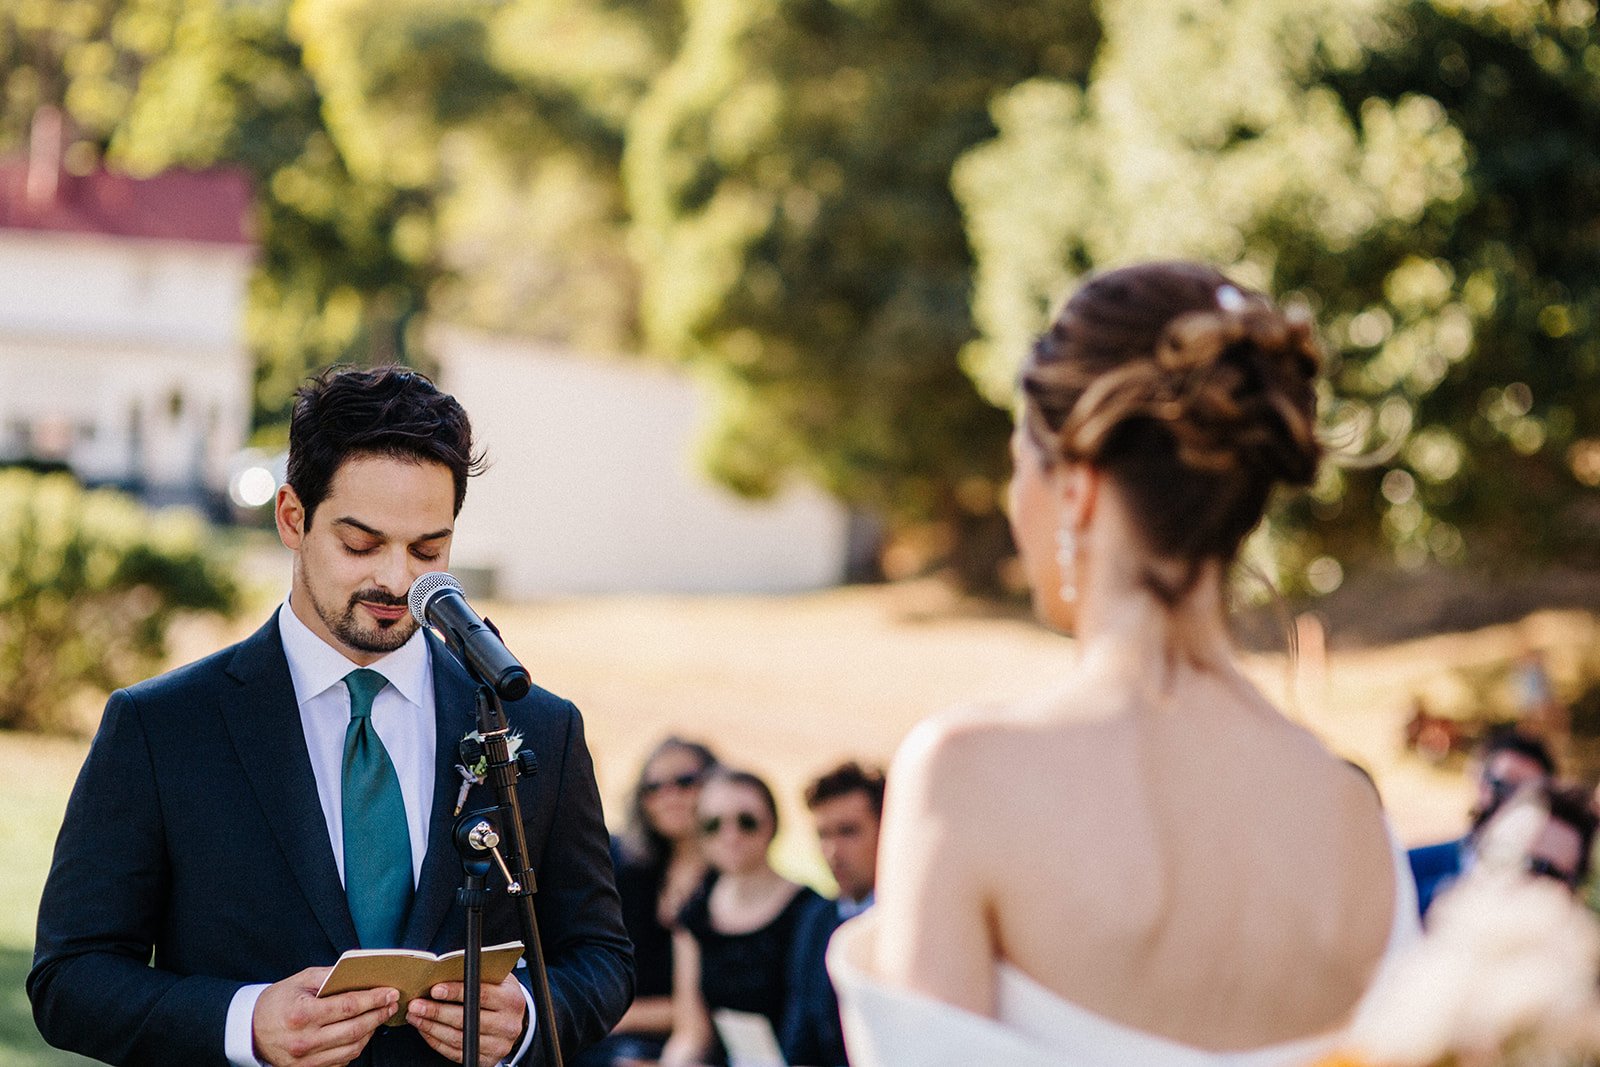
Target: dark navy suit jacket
x=812, y=1034
x=1435, y=867
x=194, y=859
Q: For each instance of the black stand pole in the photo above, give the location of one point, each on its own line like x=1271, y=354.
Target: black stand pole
x=502, y=775
x=469, y=837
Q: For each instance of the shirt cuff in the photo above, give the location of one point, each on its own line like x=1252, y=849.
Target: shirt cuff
x=527, y=1038
x=239, y=1039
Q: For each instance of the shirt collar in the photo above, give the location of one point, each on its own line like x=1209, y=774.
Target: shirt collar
x=316, y=666
x=849, y=909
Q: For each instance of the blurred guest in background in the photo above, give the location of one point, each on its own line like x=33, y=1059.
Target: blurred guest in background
x=1561, y=848
x=1507, y=760
x=732, y=948
x=659, y=865
x=1541, y=713
x=847, y=804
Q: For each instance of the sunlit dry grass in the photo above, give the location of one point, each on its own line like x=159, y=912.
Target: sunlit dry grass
x=789, y=685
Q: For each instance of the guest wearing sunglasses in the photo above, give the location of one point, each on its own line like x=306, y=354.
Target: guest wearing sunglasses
x=1507, y=761
x=659, y=865
x=1561, y=849
x=735, y=939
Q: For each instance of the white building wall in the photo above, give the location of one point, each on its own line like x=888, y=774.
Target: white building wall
x=124, y=357
x=593, y=484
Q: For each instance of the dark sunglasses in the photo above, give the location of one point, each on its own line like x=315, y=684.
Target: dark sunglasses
x=682, y=781
x=744, y=821
x=1499, y=788
x=1543, y=868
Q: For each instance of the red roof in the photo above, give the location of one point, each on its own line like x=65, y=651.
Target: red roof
x=211, y=206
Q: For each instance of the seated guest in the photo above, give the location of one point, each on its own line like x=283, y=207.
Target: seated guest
x=734, y=940
x=847, y=804
x=1561, y=848
x=659, y=865
x=1507, y=761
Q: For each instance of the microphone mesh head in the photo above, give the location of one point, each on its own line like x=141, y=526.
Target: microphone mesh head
x=425, y=589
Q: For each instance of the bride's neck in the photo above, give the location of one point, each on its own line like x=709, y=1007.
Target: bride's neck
x=1122, y=625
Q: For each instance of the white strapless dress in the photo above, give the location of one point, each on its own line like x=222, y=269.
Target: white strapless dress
x=887, y=1026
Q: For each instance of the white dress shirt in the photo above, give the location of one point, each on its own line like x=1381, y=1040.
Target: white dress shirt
x=849, y=909
x=403, y=715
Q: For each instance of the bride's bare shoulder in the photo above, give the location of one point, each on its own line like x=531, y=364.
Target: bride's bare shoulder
x=961, y=755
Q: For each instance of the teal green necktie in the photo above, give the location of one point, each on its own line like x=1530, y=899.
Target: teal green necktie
x=377, y=843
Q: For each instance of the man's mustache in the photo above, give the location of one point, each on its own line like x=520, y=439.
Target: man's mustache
x=377, y=596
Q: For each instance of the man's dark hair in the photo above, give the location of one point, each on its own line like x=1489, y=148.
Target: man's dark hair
x=845, y=779
x=1511, y=739
x=386, y=411
x=1572, y=806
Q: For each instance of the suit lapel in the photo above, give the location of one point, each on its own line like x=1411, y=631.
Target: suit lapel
x=455, y=714
x=263, y=719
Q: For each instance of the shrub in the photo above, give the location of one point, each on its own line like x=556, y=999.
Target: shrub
x=90, y=581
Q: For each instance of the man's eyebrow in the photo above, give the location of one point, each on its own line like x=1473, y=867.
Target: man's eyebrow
x=346, y=520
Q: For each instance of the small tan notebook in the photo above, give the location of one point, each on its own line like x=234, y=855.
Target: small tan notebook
x=412, y=971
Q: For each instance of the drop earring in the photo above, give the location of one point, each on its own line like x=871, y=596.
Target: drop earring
x=1067, y=561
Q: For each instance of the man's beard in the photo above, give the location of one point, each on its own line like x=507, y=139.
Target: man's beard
x=383, y=637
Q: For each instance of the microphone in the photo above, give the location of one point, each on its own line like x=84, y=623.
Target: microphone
x=436, y=600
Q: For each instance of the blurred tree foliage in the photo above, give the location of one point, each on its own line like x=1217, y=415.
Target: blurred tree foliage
x=1506, y=444
x=348, y=261
x=348, y=257
x=851, y=215
x=82, y=56
x=513, y=115
x=789, y=176
x=89, y=584
x=1423, y=176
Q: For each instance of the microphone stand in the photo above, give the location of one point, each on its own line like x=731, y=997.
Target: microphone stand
x=474, y=835
x=502, y=773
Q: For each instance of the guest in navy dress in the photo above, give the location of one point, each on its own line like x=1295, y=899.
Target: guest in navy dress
x=659, y=865
x=736, y=938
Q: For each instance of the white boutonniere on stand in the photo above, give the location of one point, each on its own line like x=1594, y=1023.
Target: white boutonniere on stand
x=473, y=774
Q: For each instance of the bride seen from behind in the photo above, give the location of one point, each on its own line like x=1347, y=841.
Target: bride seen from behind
x=1148, y=863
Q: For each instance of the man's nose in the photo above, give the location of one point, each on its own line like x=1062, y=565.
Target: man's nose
x=394, y=572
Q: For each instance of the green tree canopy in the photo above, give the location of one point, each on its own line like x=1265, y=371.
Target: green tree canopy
x=1506, y=447
x=81, y=56
x=513, y=115
x=789, y=181
x=1313, y=149
x=851, y=215
x=347, y=259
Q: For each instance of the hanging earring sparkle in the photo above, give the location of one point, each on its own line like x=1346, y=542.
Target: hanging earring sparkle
x=1067, y=561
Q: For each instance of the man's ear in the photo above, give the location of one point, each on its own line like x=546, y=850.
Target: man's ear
x=290, y=515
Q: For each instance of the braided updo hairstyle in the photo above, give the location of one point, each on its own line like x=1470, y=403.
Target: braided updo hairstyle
x=1193, y=395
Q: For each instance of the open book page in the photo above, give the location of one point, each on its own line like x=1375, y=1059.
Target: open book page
x=413, y=972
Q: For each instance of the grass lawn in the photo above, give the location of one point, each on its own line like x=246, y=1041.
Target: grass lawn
x=36, y=774
x=788, y=686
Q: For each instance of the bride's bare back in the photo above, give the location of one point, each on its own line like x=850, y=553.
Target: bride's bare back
x=1194, y=867
x=1153, y=842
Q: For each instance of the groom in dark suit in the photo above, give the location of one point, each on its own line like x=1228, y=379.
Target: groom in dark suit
x=241, y=821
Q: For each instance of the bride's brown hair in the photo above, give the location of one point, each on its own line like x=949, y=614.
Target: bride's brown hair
x=1193, y=394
